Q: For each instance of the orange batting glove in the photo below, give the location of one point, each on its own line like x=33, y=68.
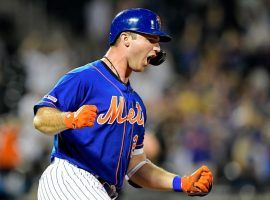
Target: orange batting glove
x=197, y=184
x=84, y=116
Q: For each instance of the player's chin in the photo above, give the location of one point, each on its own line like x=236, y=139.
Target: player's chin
x=141, y=67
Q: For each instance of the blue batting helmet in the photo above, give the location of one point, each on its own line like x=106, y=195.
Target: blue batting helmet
x=137, y=20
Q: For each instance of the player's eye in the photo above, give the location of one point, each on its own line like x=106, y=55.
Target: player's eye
x=153, y=40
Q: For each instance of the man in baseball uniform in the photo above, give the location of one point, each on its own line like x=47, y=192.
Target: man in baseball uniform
x=98, y=121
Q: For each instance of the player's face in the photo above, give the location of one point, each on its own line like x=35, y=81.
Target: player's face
x=141, y=50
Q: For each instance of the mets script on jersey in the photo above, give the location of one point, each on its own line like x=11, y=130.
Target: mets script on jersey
x=115, y=113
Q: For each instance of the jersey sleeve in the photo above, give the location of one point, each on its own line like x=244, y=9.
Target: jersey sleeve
x=67, y=94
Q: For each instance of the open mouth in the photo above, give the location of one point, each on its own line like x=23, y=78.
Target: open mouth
x=149, y=58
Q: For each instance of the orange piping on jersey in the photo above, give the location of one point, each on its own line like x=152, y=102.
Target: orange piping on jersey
x=131, y=136
x=124, y=132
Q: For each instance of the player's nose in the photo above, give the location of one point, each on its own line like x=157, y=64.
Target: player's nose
x=156, y=47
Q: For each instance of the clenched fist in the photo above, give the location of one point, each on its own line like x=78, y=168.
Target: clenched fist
x=199, y=183
x=84, y=116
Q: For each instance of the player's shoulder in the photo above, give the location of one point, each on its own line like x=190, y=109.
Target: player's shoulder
x=83, y=73
x=88, y=69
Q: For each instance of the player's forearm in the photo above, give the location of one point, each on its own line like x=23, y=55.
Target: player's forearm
x=152, y=177
x=49, y=121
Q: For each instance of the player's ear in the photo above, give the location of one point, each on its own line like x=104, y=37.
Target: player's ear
x=125, y=38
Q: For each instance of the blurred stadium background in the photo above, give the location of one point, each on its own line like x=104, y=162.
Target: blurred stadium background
x=209, y=102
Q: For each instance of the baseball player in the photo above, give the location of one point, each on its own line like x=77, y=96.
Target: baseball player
x=98, y=121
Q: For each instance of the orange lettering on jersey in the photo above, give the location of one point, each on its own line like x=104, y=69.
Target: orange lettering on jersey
x=130, y=116
x=139, y=117
x=115, y=113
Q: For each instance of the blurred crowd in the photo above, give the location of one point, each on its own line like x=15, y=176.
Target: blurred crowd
x=208, y=103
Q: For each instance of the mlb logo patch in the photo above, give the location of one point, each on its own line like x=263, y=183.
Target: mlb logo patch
x=53, y=99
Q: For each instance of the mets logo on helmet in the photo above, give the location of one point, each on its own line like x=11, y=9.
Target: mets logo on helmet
x=159, y=21
x=116, y=110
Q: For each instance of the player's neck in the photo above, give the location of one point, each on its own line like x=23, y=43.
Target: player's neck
x=118, y=65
